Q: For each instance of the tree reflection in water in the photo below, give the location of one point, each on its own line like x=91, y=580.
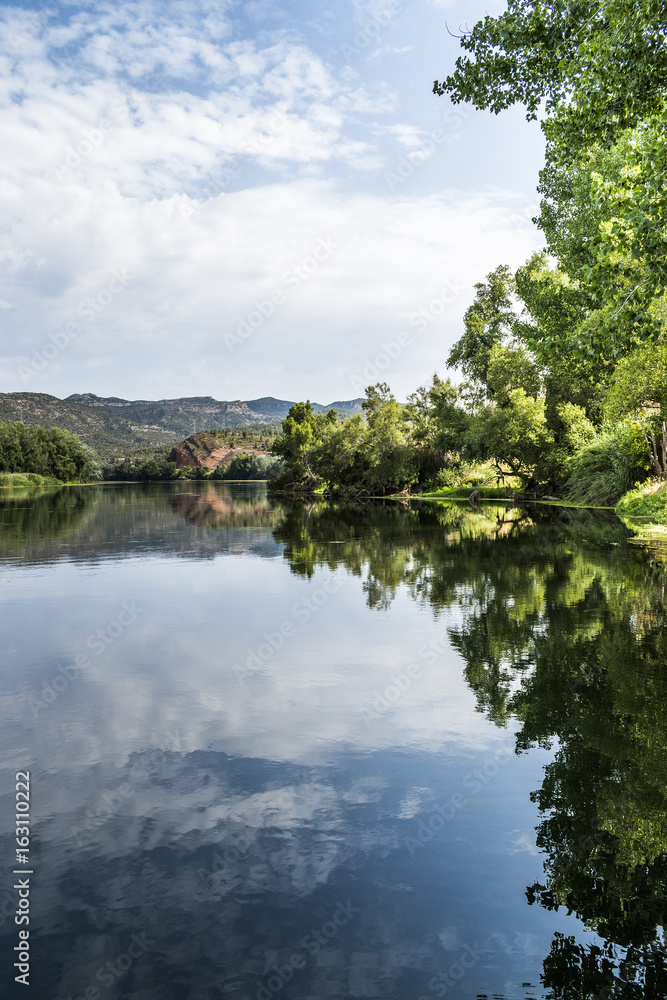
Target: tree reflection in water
x=562, y=630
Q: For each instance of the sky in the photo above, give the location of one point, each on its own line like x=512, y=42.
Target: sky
x=246, y=199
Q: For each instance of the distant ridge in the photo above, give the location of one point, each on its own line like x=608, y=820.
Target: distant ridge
x=115, y=426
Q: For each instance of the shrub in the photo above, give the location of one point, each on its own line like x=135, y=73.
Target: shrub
x=608, y=466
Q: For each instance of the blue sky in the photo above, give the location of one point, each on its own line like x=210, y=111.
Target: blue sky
x=246, y=199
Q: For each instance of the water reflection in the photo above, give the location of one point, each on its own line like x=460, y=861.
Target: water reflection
x=293, y=774
x=569, y=639
x=209, y=507
x=28, y=517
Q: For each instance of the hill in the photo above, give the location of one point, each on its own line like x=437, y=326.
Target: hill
x=210, y=449
x=116, y=427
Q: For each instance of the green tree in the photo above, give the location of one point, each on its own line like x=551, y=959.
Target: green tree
x=639, y=389
x=293, y=446
x=515, y=436
x=599, y=66
x=438, y=428
x=488, y=323
x=511, y=367
x=47, y=452
x=388, y=449
x=603, y=217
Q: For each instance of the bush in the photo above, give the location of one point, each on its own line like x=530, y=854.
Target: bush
x=607, y=467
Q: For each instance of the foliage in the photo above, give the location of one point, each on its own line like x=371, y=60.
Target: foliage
x=639, y=381
x=387, y=454
x=577, y=431
x=511, y=367
x=515, y=436
x=159, y=469
x=151, y=469
x=251, y=467
x=600, y=66
x=603, y=217
x=465, y=476
x=602, y=70
x=47, y=452
x=530, y=425
x=258, y=437
x=386, y=449
x=301, y=429
x=488, y=323
x=608, y=466
x=438, y=424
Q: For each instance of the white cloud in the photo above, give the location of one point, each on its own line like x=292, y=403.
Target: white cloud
x=391, y=50
x=409, y=136
x=209, y=180
x=196, y=277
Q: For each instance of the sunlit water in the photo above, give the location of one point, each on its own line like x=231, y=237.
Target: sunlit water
x=300, y=751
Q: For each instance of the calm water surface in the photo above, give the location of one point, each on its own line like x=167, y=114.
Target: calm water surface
x=286, y=750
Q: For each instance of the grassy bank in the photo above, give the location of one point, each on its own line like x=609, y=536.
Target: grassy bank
x=648, y=500
x=644, y=511
x=31, y=479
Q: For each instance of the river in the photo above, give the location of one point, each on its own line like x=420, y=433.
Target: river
x=286, y=749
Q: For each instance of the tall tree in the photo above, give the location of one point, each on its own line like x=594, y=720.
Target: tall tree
x=601, y=70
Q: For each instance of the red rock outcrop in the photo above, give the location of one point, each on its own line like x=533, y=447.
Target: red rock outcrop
x=182, y=458
x=219, y=456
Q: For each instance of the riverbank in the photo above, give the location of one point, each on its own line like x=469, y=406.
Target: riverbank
x=644, y=511
x=27, y=479
x=503, y=495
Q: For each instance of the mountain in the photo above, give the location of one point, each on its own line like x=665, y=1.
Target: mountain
x=197, y=413
x=115, y=427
